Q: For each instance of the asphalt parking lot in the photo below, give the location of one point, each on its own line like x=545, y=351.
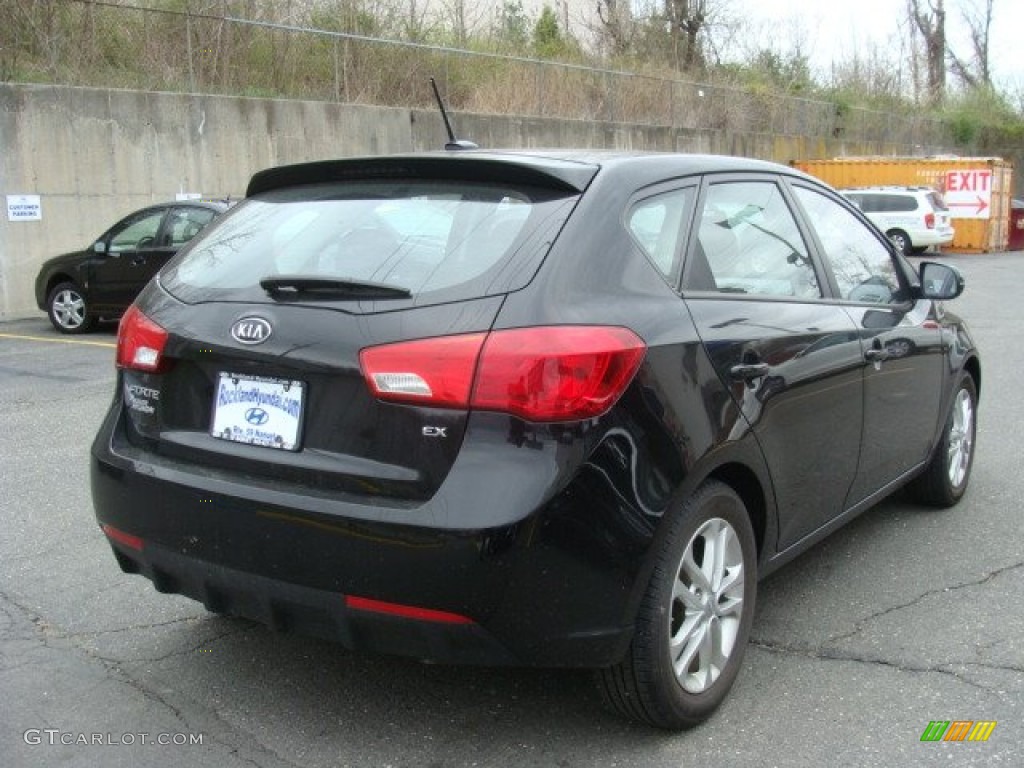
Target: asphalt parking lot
x=906, y=616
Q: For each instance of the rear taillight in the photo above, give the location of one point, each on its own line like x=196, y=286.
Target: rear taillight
x=427, y=371
x=554, y=373
x=140, y=342
x=929, y=220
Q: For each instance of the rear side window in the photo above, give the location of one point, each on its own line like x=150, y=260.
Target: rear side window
x=900, y=203
x=185, y=223
x=883, y=202
x=422, y=236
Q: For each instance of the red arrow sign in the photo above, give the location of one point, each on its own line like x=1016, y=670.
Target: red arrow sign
x=981, y=205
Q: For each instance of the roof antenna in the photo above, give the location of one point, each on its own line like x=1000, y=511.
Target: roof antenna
x=452, y=143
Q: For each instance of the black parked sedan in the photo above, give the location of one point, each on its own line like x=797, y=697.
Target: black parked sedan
x=550, y=409
x=77, y=289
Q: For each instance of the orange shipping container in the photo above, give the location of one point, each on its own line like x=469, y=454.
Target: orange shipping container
x=977, y=190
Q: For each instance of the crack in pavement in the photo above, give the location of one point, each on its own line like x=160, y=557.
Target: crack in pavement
x=231, y=737
x=945, y=668
x=171, y=654
x=858, y=626
x=828, y=651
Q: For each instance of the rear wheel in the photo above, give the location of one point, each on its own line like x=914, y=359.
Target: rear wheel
x=945, y=480
x=694, y=622
x=68, y=310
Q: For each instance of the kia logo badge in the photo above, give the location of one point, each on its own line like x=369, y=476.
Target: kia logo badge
x=257, y=417
x=251, y=330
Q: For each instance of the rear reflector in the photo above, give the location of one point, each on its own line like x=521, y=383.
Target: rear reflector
x=404, y=611
x=140, y=342
x=550, y=373
x=132, y=542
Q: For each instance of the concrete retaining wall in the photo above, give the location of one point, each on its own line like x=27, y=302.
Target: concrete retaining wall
x=94, y=155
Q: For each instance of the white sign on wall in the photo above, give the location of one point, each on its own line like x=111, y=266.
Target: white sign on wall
x=24, y=208
x=969, y=193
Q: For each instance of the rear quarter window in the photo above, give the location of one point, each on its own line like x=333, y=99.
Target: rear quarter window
x=656, y=226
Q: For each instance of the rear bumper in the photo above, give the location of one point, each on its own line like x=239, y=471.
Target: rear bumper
x=553, y=588
x=929, y=237
x=316, y=612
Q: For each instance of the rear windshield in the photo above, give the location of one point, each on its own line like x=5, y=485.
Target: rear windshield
x=938, y=201
x=436, y=240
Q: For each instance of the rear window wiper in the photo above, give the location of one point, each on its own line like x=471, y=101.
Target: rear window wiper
x=329, y=288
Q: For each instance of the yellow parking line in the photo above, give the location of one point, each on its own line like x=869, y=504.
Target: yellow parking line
x=58, y=341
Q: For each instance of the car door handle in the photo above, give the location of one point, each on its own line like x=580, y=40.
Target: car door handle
x=749, y=371
x=876, y=355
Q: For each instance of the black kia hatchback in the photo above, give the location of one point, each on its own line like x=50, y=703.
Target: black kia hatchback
x=528, y=408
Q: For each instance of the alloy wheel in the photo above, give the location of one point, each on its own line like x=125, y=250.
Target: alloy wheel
x=961, y=438
x=69, y=309
x=706, y=605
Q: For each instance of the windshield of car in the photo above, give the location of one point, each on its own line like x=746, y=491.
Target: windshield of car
x=422, y=238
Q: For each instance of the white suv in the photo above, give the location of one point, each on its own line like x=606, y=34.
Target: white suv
x=914, y=218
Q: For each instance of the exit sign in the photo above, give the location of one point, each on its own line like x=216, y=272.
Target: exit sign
x=969, y=193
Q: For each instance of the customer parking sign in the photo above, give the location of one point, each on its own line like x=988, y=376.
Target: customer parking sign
x=24, y=208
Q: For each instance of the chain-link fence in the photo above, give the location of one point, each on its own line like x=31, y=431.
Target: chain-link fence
x=92, y=43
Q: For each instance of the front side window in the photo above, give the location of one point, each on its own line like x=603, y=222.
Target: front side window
x=861, y=263
x=748, y=242
x=138, y=233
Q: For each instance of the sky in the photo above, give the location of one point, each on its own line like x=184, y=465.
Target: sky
x=839, y=28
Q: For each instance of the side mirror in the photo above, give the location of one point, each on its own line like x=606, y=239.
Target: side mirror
x=99, y=246
x=940, y=281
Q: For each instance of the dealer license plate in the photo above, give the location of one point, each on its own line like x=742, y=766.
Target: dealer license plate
x=258, y=411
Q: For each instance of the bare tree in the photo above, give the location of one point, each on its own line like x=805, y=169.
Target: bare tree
x=463, y=18
x=687, y=20
x=975, y=72
x=616, y=18
x=414, y=24
x=872, y=73
x=929, y=19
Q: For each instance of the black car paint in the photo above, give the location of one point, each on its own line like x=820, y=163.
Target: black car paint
x=550, y=555
x=111, y=281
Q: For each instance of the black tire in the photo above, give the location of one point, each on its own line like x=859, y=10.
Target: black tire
x=901, y=240
x=68, y=309
x=944, y=481
x=645, y=686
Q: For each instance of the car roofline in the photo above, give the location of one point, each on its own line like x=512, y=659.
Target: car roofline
x=567, y=170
